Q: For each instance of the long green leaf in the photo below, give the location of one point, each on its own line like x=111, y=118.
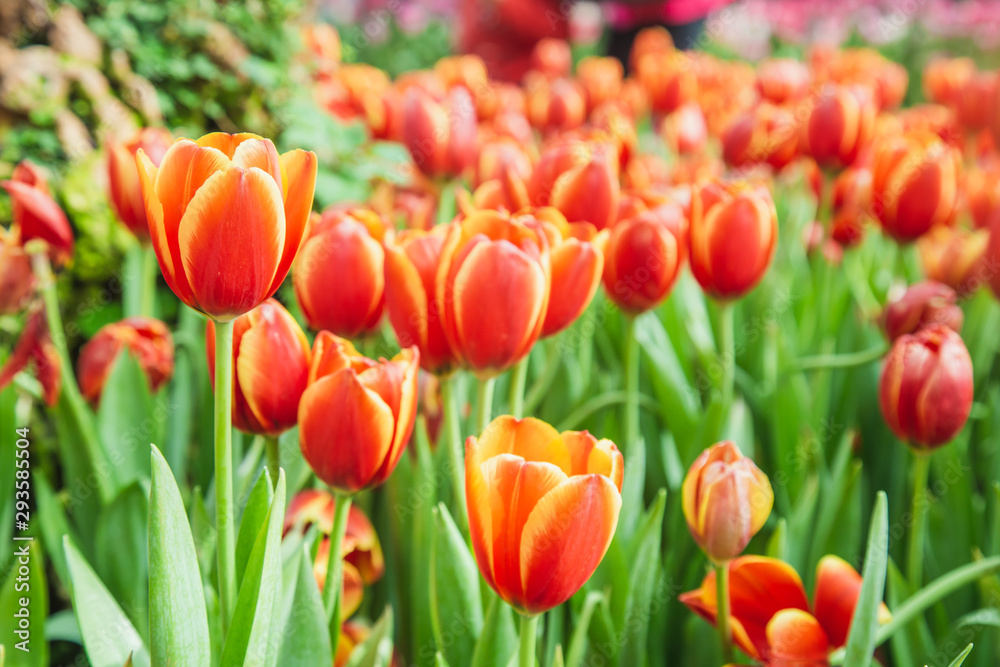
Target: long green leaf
x=498, y=642
x=456, y=605
x=960, y=658
x=121, y=552
x=305, y=640
x=254, y=516
x=178, y=623
x=25, y=583
x=645, y=563
x=578, y=642
x=862, y=640
x=128, y=419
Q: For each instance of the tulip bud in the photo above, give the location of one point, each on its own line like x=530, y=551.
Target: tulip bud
x=982, y=193
x=975, y=101
x=652, y=40
x=781, y=80
x=36, y=214
x=852, y=198
x=944, y=78
x=124, y=189
x=601, y=79
x=576, y=269
x=957, y=258
x=578, y=178
x=342, y=243
x=684, y=130
x=148, y=341
x=270, y=368
x=726, y=500
x=914, y=184
x=644, y=254
x=441, y=136
x=543, y=508
x=490, y=330
x=840, y=125
x=557, y=105
x=925, y=391
x=764, y=134
x=552, y=57
x=668, y=79
x=35, y=347
x=921, y=306
x=734, y=231
x=356, y=415
x=17, y=281
x=226, y=215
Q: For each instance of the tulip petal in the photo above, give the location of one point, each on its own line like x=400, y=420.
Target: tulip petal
x=298, y=180
x=565, y=538
x=231, y=238
x=529, y=438
x=576, y=273
x=796, y=640
x=259, y=153
x=225, y=142
x=40, y=217
x=838, y=586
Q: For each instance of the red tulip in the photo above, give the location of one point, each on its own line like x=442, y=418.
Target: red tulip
x=270, y=368
x=36, y=214
x=17, y=282
x=356, y=415
x=226, y=215
x=124, y=189
x=840, y=125
x=684, y=130
x=440, y=135
x=601, y=79
x=577, y=264
x=149, y=342
x=557, y=105
x=982, y=193
x=764, y=134
x=578, y=178
x=338, y=276
x=35, y=347
x=925, y=391
x=944, y=78
x=921, y=306
x=552, y=57
x=782, y=80
x=975, y=101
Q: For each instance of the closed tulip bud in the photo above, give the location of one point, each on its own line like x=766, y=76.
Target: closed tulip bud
x=552, y=57
x=601, y=78
x=17, y=281
x=652, y=40
x=465, y=70
x=226, y=215
x=492, y=329
x=580, y=179
x=726, y=500
x=645, y=171
x=957, y=258
x=852, y=199
x=782, y=80
x=914, y=184
x=146, y=339
x=684, y=130
x=922, y=305
x=441, y=135
x=124, y=189
x=500, y=157
x=36, y=214
x=944, y=78
x=840, y=125
x=543, y=507
x=270, y=368
x=555, y=106
x=644, y=254
x=356, y=415
x=343, y=250
x=577, y=264
x=982, y=194
x=925, y=391
x=668, y=78
x=412, y=261
x=734, y=231
x=35, y=347
x=975, y=101
x=765, y=134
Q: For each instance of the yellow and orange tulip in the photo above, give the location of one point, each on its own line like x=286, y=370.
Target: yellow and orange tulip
x=577, y=263
x=124, y=189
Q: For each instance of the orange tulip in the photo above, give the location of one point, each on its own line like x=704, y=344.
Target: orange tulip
x=440, y=134
x=491, y=329
x=543, y=507
x=975, y=101
x=764, y=134
x=499, y=158
x=412, y=259
x=840, y=125
x=35, y=347
x=781, y=80
x=36, y=214
x=684, y=130
x=982, y=193
x=770, y=615
x=556, y=105
x=17, y=282
x=925, y=391
x=726, y=499
x=652, y=40
x=464, y=70
x=928, y=117
x=601, y=79
x=921, y=306
x=226, y=215
x=149, y=342
x=644, y=254
x=734, y=231
x=124, y=189
x=645, y=171
x=270, y=368
x=338, y=276
x=552, y=57
x=852, y=200
x=580, y=179
x=576, y=269
x=356, y=415
x=944, y=78
x=668, y=78
x=957, y=257
x=914, y=184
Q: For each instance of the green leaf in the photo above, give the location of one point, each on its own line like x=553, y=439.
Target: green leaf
x=777, y=544
x=254, y=516
x=376, y=650
x=456, y=605
x=957, y=662
x=178, y=624
x=25, y=583
x=645, y=563
x=862, y=640
x=128, y=419
x=987, y=616
x=305, y=640
x=53, y=525
x=578, y=642
x=498, y=641
x=439, y=660
x=108, y=636
x=62, y=626
x=250, y=630
x=120, y=546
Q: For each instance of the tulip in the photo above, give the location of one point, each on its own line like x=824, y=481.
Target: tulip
x=928, y=117
x=440, y=135
x=465, y=70
x=922, y=305
x=925, y=391
x=975, y=101
x=557, y=105
x=764, y=134
x=645, y=171
x=734, y=231
x=356, y=415
x=782, y=80
x=839, y=126
x=668, y=78
x=726, y=499
x=578, y=178
x=957, y=258
x=17, y=281
x=543, y=507
x=944, y=78
x=577, y=264
x=771, y=617
x=36, y=214
x=35, y=347
x=652, y=40
x=684, y=130
x=601, y=79
x=644, y=254
x=852, y=197
x=914, y=184
x=124, y=189
x=499, y=158
x=338, y=276
x=149, y=342
x=491, y=329
x=226, y=215
x=982, y=193
x=552, y=57
x=270, y=369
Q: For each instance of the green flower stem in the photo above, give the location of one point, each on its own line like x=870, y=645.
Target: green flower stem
x=722, y=602
x=273, y=449
x=484, y=405
x=150, y=272
x=224, y=509
x=631, y=363
x=335, y=567
x=850, y=360
x=727, y=355
x=526, y=654
x=602, y=401
x=518, y=377
x=456, y=451
x=542, y=383
x=915, y=556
